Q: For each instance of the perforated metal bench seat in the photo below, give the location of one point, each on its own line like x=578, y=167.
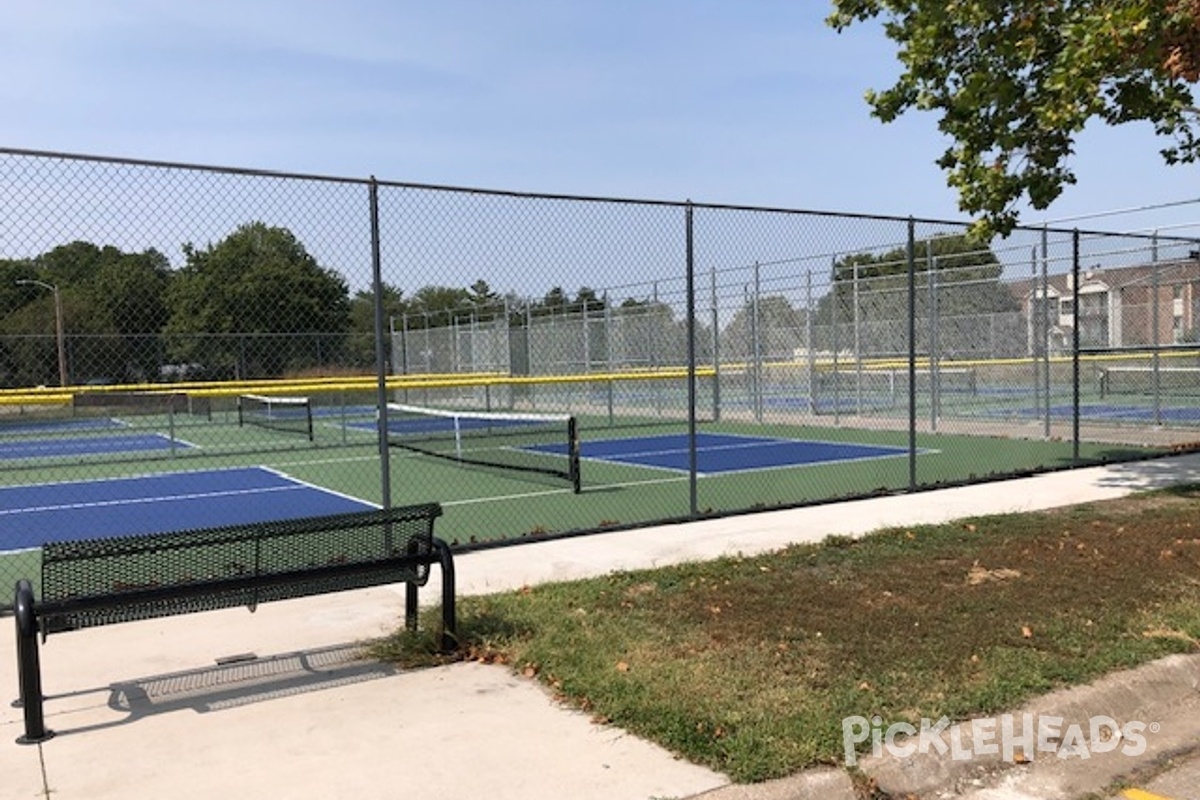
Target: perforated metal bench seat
x=88, y=583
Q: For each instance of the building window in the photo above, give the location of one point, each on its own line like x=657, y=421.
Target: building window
x=1093, y=319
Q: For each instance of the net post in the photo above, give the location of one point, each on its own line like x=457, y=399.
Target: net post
x=573, y=455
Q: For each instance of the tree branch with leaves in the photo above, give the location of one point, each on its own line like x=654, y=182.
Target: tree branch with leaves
x=1016, y=81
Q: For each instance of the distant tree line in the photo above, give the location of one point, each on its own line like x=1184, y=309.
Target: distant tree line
x=258, y=305
x=253, y=305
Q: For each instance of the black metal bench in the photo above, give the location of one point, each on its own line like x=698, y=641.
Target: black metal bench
x=105, y=581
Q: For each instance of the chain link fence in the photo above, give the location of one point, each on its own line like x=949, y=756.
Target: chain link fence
x=178, y=320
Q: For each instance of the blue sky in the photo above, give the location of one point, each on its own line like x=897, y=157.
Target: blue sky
x=752, y=102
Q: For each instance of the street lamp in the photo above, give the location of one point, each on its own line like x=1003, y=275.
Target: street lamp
x=58, y=327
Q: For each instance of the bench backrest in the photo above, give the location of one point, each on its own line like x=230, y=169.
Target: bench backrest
x=102, y=581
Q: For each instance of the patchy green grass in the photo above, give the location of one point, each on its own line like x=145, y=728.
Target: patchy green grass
x=748, y=665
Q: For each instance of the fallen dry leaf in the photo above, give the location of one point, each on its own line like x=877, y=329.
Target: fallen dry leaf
x=1167, y=633
x=977, y=575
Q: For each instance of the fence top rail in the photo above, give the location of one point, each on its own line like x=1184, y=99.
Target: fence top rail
x=682, y=204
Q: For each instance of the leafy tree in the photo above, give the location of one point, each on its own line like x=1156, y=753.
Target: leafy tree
x=872, y=290
x=113, y=312
x=591, y=346
x=361, y=347
x=646, y=334
x=557, y=301
x=436, y=306
x=125, y=300
x=1015, y=81
x=485, y=303
x=779, y=328
x=13, y=295
x=22, y=360
x=75, y=263
x=257, y=305
x=586, y=299
x=958, y=258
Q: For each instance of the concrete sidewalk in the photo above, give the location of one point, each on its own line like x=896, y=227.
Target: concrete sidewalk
x=153, y=709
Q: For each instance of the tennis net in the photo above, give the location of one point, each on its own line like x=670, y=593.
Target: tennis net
x=287, y=414
x=539, y=443
x=887, y=388
x=1148, y=380
x=131, y=402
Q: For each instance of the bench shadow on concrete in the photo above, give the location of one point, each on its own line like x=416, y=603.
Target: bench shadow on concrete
x=238, y=682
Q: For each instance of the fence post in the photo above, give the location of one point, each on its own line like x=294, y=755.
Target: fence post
x=1075, y=345
x=690, y=257
x=910, y=254
x=385, y=477
x=1044, y=314
x=1155, y=353
x=835, y=343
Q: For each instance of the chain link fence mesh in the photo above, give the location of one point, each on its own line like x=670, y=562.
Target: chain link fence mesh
x=177, y=320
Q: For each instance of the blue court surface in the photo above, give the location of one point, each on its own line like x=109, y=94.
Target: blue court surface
x=35, y=514
x=61, y=447
x=45, y=426
x=718, y=453
x=1130, y=413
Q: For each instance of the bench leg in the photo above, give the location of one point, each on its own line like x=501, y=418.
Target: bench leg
x=29, y=668
x=410, y=606
x=449, y=616
x=445, y=560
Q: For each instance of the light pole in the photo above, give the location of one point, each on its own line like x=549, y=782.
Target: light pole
x=59, y=337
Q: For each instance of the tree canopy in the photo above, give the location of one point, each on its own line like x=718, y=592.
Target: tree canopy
x=113, y=308
x=259, y=283
x=1016, y=81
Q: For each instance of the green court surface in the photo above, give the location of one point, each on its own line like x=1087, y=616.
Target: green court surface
x=634, y=464
x=484, y=504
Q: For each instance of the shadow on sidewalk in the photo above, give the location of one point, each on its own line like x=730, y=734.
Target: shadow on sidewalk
x=237, y=682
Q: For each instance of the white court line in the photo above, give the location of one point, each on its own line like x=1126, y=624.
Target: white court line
x=315, y=487
x=146, y=500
